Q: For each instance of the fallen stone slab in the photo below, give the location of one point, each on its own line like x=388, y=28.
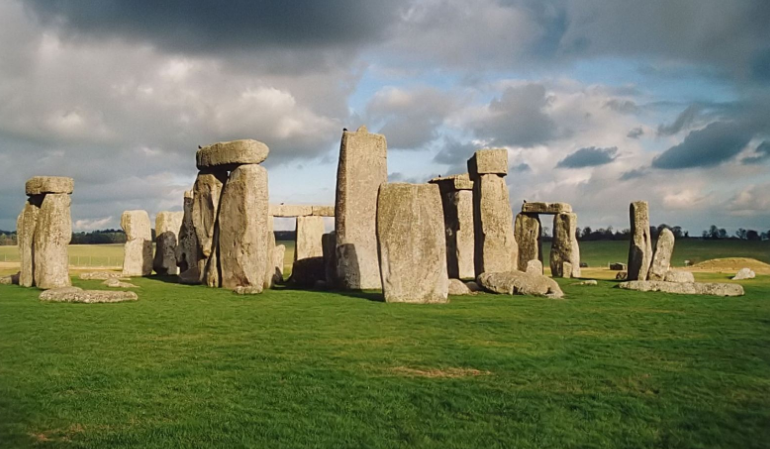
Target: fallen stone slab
x=117, y=283
x=520, y=283
x=229, y=155
x=101, y=275
x=458, y=288
x=77, y=294
x=744, y=273
x=546, y=208
x=685, y=288
x=39, y=185
x=679, y=276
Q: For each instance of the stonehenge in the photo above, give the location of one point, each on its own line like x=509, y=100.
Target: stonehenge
x=495, y=247
x=527, y=233
x=457, y=202
x=363, y=166
x=412, y=247
x=640, y=251
x=565, y=250
x=137, y=253
x=187, y=251
x=44, y=230
x=167, y=227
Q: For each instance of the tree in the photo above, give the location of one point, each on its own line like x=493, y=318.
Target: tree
x=752, y=235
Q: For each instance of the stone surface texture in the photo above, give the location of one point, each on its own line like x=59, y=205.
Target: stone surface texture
x=685, y=288
x=117, y=283
x=26, y=225
x=457, y=204
x=329, y=242
x=101, y=275
x=187, y=252
x=363, y=166
x=495, y=246
x=488, y=162
x=458, y=287
x=640, y=251
x=534, y=266
x=52, y=238
x=167, y=228
x=661, y=259
x=526, y=231
x=546, y=208
x=565, y=251
x=243, y=220
x=520, y=283
x=279, y=254
x=137, y=257
x=679, y=276
x=75, y=294
x=40, y=185
x=308, y=266
x=412, y=247
x=300, y=210
x=229, y=155
x=744, y=273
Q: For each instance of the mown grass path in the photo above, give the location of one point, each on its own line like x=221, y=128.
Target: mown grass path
x=188, y=366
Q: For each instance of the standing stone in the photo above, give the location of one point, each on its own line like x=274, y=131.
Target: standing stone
x=279, y=254
x=363, y=166
x=207, y=193
x=187, y=251
x=167, y=227
x=25, y=235
x=640, y=252
x=496, y=250
x=661, y=260
x=137, y=257
x=410, y=235
x=527, y=235
x=269, y=268
x=565, y=251
x=329, y=242
x=457, y=202
x=52, y=238
x=242, y=244
x=308, y=264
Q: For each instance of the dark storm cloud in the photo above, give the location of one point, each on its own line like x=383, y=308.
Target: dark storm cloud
x=589, y=157
x=707, y=147
x=213, y=25
x=763, y=154
x=683, y=120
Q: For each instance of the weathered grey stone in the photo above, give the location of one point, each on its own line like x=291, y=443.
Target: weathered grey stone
x=137, y=253
x=270, y=278
x=75, y=294
x=101, y=275
x=207, y=193
x=565, y=251
x=167, y=227
x=52, y=238
x=744, y=273
x=527, y=234
x=243, y=245
x=11, y=279
x=617, y=266
x=229, y=155
x=496, y=249
x=458, y=287
x=40, y=185
x=473, y=286
x=685, y=288
x=534, y=266
x=546, y=208
x=457, y=203
x=410, y=235
x=117, y=283
x=679, y=276
x=308, y=264
x=661, y=260
x=300, y=210
x=187, y=253
x=640, y=251
x=488, y=162
x=329, y=242
x=621, y=276
x=26, y=225
x=279, y=254
x=520, y=283
x=363, y=166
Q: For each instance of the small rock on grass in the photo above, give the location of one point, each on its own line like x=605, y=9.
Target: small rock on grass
x=744, y=273
x=117, y=283
x=587, y=282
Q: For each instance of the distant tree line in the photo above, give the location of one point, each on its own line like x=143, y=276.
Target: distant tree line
x=715, y=233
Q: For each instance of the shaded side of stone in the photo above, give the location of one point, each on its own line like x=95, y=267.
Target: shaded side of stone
x=329, y=242
x=308, y=264
x=167, y=227
x=565, y=251
x=26, y=225
x=527, y=235
x=640, y=251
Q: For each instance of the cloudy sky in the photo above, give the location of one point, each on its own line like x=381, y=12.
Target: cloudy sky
x=599, y=102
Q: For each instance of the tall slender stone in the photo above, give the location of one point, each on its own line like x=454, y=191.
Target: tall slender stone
x=187, y=251
x=207, y=192
x=661, y=260
x=496, y=249
x=270, y=278
x=410, y=235
x=242, y=223
x=527, y=235
x=640, y=251
x=167, y=227
x=457, y=202
x=362, y=168
x=25, y=235
x=565, y=251
x=308, y=252
x=329, y=242
x=52, y=239
x=137, y=253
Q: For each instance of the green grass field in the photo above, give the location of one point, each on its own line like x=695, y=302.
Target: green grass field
x=189, y=366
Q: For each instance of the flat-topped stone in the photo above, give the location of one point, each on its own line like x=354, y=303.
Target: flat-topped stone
x=300, y=210
x=685, y=288
x=488, y=162
x=546, y=208
x=228, y=155
x=453, y=182
x=76, y=294
x=40, y=185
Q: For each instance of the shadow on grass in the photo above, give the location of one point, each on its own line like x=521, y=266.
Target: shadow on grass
x=369, y=295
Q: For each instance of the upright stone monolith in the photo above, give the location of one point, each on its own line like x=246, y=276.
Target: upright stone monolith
x=329, y=242
x=496, y=249
x=527, y=235
x=25, y=235
x=410, y=235
x=362, y=168
x=207, y=193
x=661, y=260
x=308, y=267
x=52, y=239
x=187, y=251
x=457, y=202
x=242, y=223
x=270, y=277
x=137, y=253
x=565, y=251
x=640, y=251
x=167, y=227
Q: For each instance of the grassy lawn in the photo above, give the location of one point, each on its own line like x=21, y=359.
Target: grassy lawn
x=188, y=366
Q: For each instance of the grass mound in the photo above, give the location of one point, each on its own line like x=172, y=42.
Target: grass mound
x=731, y=265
